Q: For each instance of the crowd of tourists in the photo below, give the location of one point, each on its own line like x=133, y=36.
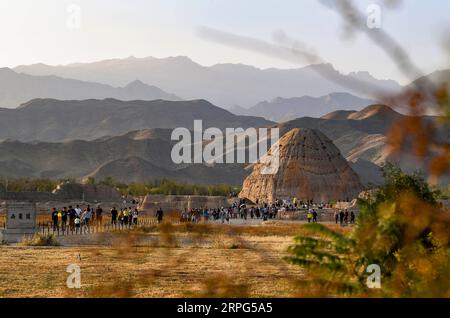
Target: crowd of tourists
x=343, y=217
x=75, y=219
x=294, y=204
x=243, y=211
x=226, y=214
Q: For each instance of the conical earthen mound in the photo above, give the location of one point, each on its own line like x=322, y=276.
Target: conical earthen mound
x=310, y=168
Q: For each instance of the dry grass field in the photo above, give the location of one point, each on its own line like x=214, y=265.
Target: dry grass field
x=185, y=260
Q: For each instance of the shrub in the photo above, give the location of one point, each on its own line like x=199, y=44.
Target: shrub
x=41, y=240
x=402, y=229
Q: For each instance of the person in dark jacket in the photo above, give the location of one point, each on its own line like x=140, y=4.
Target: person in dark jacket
x=159, y=215
x=341, y=217
x=114, y=216
x=55, y=219
x=352, y=217
x=99, y=216
x=315, y=215
x=64, y=216
x=72, y=217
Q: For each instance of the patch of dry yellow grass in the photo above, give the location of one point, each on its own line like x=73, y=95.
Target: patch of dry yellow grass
x=179, y=261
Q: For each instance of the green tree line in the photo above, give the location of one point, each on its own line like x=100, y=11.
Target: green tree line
x=164, y=186
x=168, y=187
x=29, y=185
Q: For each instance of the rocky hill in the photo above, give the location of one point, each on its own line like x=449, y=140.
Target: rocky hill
x=361, y=136
x=140, y=156
x=55, y=120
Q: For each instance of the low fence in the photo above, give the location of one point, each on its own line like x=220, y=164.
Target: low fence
x=323, y=215
x=47, y=227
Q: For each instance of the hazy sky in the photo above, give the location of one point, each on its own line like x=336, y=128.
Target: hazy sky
x=38, y=31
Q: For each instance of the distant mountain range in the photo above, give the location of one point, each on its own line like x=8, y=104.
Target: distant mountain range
x=16, y=89
x=361, y=136
x=440, y=76
x=70, y=125
x=429, y=84
x=139, y=156
x=144, y=155
x=55, y=120
x=283, y=109
x=224, y=85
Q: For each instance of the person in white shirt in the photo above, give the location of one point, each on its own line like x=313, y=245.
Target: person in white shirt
x=78, y=211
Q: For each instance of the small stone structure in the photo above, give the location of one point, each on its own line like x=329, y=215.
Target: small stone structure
x=66, y=194
x=87, y=192
x=20, y=221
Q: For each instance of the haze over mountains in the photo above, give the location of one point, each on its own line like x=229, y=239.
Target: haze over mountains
x=437, y=77
x=145, y=155
x=275, y=94
x=121, y=127
x=283, y=109
x=16, y=89
x=224, y=85
x=55, y=120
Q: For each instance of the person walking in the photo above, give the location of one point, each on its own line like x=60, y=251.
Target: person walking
x=55, y=219
x=125, y=217
x=159, y=215
x=314, y=216
x=88, y=217
x=130, y=216
x=206, y=215
x=336, y=216
x=72, y=216
x=99, y=216
x=59, y=219
x=79, y=211
x=265, y=213
x=77, y=223
x=222, y=215
x=114, y=216
x=64, y=216
x=135, y=216
x=341, y=217
x=309, y=216
x=91, y=213
x=120, y=217
x=352, y=217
